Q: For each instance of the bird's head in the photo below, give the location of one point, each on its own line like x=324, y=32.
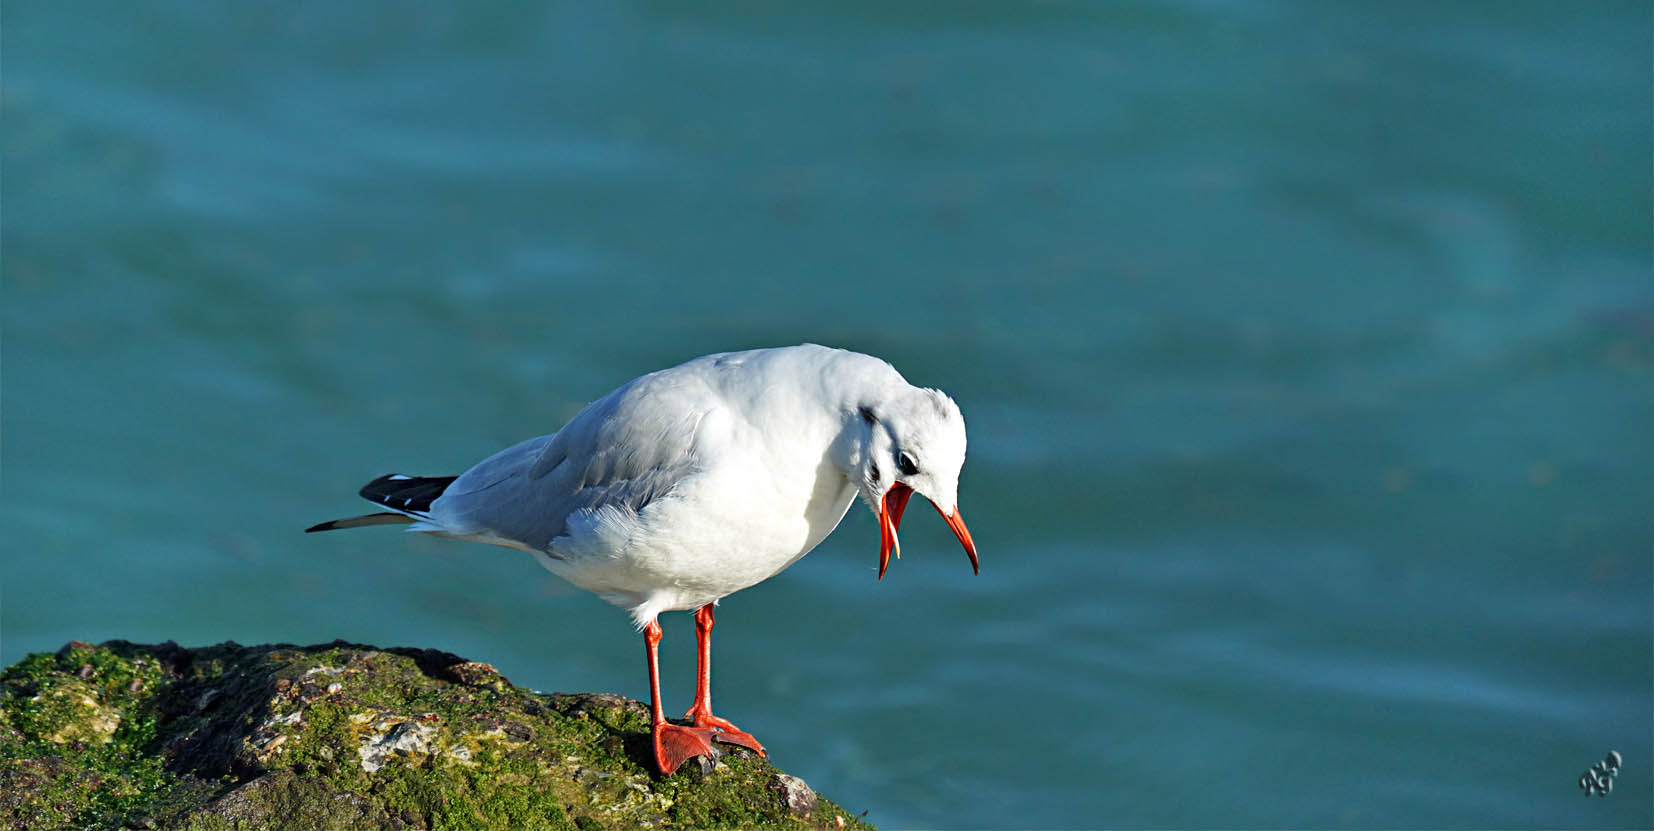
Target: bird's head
x=907, y=442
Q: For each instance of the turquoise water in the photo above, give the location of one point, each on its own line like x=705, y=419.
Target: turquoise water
x=1307, y=351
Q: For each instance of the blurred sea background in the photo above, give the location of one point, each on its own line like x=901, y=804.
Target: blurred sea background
x=1307, y=351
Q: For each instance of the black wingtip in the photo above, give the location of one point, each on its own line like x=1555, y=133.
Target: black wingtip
x=406, y=493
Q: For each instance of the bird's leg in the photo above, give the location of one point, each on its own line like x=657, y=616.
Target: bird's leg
x=701, y=713
x=673, y=743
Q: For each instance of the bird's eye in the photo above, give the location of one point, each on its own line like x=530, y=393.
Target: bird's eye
x=906, y=465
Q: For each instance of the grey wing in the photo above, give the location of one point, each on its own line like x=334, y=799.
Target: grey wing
x=626, y=449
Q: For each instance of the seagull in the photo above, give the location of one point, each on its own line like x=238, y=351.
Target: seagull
x=686, y=485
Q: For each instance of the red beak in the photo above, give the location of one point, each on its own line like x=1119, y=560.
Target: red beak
x=890, y=518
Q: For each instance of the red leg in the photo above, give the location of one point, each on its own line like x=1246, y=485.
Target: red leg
x=701, y=713
x=674, y=743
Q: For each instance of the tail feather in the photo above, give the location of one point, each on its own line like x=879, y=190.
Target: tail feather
x=408, y=497
x=385, y=518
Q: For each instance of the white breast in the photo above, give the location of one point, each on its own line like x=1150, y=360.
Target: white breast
x=761, y=500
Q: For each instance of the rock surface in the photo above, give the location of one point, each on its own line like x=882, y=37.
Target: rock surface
x=346, y=736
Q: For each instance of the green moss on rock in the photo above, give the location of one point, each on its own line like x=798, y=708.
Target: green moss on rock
x=347, y=736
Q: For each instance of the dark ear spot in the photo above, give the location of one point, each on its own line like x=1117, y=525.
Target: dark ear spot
x=876, y=474
x=867, y=416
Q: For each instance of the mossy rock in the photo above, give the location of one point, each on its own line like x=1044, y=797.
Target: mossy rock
x=347, y=736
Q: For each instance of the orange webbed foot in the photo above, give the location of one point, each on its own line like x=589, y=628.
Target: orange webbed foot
x=676, y=744
x=727, y=731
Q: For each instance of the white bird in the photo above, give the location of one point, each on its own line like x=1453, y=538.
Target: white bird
x=689, y=484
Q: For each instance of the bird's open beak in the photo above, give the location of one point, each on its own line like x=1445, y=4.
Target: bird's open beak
x=890, y=518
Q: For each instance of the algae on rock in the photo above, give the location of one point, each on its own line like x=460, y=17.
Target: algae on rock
x=348, y=736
